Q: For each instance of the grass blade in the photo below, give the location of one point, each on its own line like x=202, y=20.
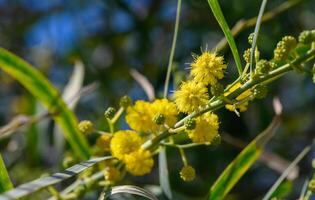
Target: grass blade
x=45, y=92
x=5, y=182
x=215, y=7
x=130, y=189
x=41, y=183
x=164, y=175
x=237, y=168
x=287, y=171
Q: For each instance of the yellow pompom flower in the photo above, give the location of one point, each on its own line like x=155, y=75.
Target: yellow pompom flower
x=139, y=116
x=187, y=173
x=206, y=129
x=167, y=109
x=139, y=162
x=243, y=106
x=208, y=68
x=103, y=142
x=190, y=96
x=124, y=142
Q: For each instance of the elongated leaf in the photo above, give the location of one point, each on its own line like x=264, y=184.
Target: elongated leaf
x=164, y=175
x=45, y=92
x=237, y=168
x=130, y=189
x=70, y=91
x=287, y=171
x=5, y=182
x=215, y=7
x=41, y=183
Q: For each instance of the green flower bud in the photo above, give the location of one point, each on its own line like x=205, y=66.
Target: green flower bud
x=216, y=140
x=307, y=37
x=86, y=127
x=262, y=67
x=125, y=101
x=110, y=112
x=251, y=38
x=246, y=55
x=190, y=124
x=284, y=47
x=159, y=119
x=260, y=91
x=311, y=185
x=217, y=89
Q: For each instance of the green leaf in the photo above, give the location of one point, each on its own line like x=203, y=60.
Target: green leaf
x=5, y=182
x=44, y=182
x=130, y=189
x=48, y=95
x=215, y=7
x=238, y=167
x=276, y=185
x=164, y=175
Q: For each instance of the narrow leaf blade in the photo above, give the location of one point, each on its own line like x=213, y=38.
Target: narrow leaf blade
x=215, y=7
x=164, y=175
x=239, y=166
x=38, y=184
x=5, y=182
x=48, y=95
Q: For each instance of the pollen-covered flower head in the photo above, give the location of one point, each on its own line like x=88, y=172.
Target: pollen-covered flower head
x=242, y=97
x=167, y=109
x=187, y=173
x=207, y=126
x=124, y=142
x=208, y=68
x=190, y=96
x=140, y=116
x=139, y=163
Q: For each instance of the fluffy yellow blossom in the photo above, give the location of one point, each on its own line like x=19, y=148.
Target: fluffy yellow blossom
x=124, y=142
x=140, y=116
x=167, y=109
x=111, y=174
x=243, y=106
x=139, y=162
x=103, y=142
x=206, y=129
x=190, y=96
x=187, y=173
x=208, y=68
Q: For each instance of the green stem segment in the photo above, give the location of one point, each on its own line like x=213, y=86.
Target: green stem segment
x=170, y=62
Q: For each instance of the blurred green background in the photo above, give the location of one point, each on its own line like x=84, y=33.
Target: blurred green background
x=113, y=36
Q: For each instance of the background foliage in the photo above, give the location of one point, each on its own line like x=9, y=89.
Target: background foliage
x=113, y=36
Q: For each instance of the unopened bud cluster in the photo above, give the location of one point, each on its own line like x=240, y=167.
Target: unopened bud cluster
x=110, y=112
x=284, y=47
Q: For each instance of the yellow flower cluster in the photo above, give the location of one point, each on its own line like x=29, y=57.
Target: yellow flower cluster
x=140, y=116
x=205, y=70
x=207, y=126
x=208, y=68
x=242, y=97
x=126, y=146
x=125, y=142
x=191, y=96
x=139, y=162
